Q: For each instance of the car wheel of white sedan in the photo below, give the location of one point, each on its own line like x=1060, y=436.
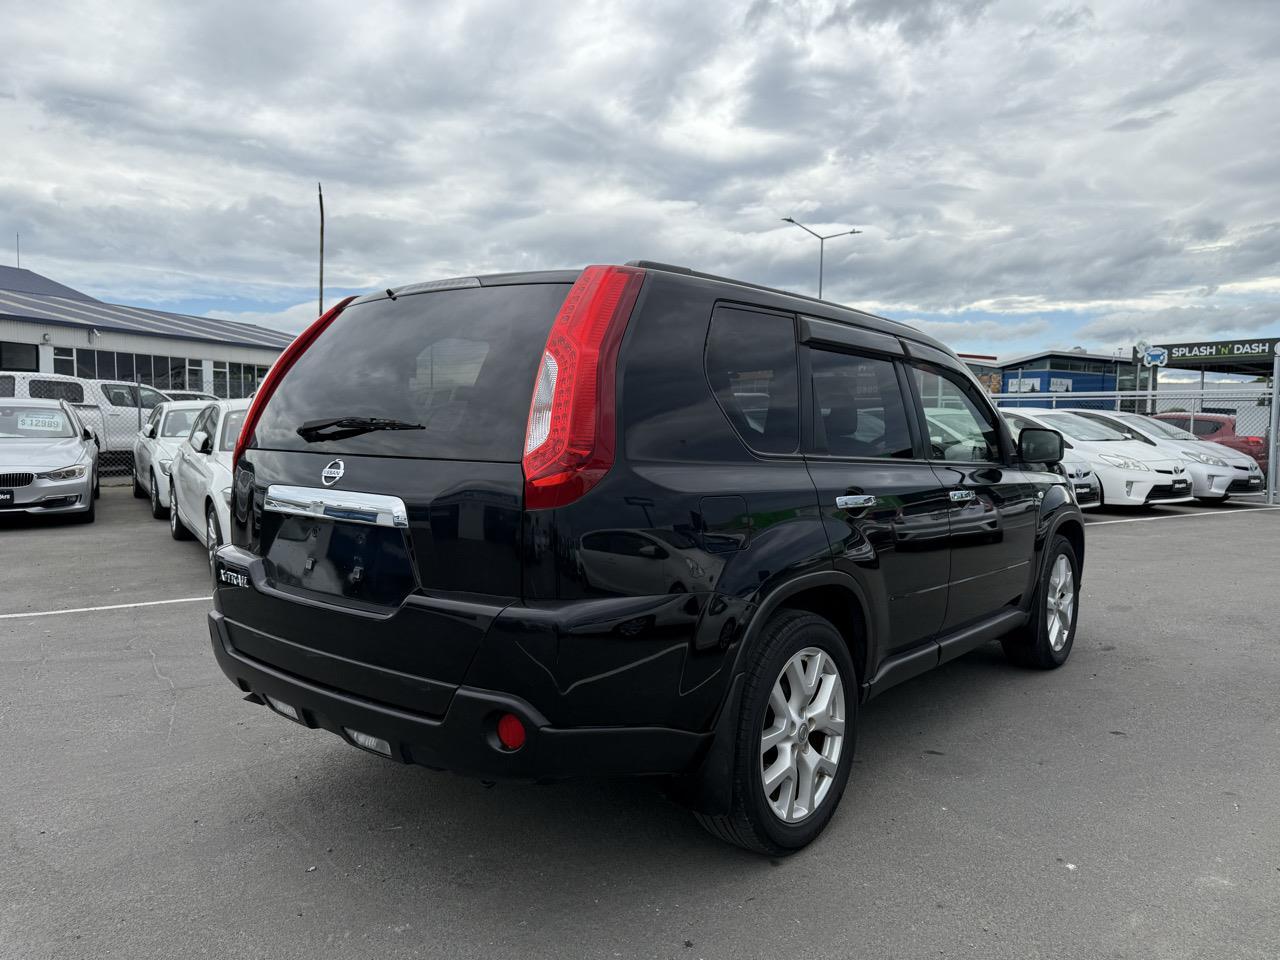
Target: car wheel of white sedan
x=212, y=539
x=176, y=528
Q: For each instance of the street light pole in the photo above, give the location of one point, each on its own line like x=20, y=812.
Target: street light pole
x=822, y=245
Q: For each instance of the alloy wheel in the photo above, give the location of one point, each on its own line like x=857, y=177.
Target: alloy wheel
x=1060, y=603
x=173, y=509
x=803, y=735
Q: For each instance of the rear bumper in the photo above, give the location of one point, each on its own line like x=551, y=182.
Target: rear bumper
x=464, y=739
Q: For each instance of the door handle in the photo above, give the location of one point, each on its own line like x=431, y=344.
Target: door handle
x=961, y=496
x=858, y=502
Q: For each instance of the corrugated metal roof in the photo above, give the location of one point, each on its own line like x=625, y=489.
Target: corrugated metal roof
x=94, y=314
x=24, y=281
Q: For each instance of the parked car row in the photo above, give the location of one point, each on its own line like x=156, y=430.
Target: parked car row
x=182, y=464
x=109, y=408
x=1139, y=460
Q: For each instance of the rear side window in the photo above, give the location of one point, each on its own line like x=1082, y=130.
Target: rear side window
x=6, y=386
x=454, y=368
x=67, y=390
x=859, y=410
x=1205, y=428
x=751, y=363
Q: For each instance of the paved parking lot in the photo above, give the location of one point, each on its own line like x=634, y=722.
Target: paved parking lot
x=1124, y=806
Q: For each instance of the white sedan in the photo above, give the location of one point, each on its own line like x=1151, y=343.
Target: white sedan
x=200, y=482
x=154, y=448
x=1131, y=473
x=1216, y=471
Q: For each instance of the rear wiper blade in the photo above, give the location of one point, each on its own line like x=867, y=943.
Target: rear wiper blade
x=339, y=428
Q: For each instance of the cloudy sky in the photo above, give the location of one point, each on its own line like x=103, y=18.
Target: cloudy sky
x=1025, y=174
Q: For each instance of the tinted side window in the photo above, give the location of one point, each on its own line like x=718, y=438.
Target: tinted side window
x=751, y=363
x=118, y=396
x=1205, y=428
x=958, y=428
x=56, y=390
x=6, y=386
x=859, y=410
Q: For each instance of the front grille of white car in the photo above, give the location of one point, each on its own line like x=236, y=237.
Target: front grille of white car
x=9, y=480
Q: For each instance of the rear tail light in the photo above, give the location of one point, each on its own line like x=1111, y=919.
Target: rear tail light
x=1254, y=441
x=278, y=369
x=569, y=441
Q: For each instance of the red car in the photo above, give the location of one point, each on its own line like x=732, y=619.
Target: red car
x=1220, y=428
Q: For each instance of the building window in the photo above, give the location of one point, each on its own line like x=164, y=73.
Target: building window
x=220, y=378
x=86, y=365
x=195, y=375
x=160, y=373
x=19, y=356
x=124, y=367
x=64, y=361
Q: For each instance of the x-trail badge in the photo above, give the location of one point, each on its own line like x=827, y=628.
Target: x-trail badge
x=333, y=472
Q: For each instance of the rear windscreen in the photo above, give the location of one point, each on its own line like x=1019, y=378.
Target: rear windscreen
x=453, y=369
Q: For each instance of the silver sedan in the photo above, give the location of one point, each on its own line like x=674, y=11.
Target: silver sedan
x=48, y=459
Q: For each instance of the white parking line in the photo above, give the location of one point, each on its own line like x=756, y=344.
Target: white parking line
x=1234, y=511
x=113, y=606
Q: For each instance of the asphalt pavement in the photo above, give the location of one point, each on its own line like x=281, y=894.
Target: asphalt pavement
x=1124, y=806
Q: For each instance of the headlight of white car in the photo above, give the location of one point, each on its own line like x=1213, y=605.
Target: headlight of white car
x=66, y=473
x=1204, y=458
x=165, y=465
x=1124, y=463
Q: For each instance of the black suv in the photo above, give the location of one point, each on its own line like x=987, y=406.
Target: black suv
x=630, y=520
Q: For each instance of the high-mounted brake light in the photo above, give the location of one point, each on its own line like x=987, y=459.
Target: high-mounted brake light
x=278, y=369
x=568, y=445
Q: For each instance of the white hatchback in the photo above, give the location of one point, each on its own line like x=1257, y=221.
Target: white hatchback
x=1131, y=473
x=200, y=481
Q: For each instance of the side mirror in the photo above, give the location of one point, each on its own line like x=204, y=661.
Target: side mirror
x=149, y=431
x=202, y=442
x=1038, y=445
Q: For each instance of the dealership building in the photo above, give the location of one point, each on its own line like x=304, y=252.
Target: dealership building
x=46, y=327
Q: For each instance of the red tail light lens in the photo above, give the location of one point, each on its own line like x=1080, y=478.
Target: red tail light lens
x=569, y=441
x=278, y=369
x=1255, y=441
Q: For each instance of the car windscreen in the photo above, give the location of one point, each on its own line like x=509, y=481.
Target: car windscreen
x=231, y=425
x=177, y=423
x=449, y=373
x=27, y=422
x=1159, y=427
x=1080, y=428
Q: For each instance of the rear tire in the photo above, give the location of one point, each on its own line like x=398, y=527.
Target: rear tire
x=792, y=640
x=158, y=509
x=1045, y=641
x=176, y=528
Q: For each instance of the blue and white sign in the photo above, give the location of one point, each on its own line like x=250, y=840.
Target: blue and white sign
x=1155, y=356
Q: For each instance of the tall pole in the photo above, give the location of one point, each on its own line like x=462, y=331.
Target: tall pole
x=1272, y=445
x=320, y=194
x=822, y=244
x=822, y=256
x=17, y=242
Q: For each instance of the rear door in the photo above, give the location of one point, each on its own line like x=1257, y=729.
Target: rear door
x=994, y=506
x=387, y=486
x=884, y=508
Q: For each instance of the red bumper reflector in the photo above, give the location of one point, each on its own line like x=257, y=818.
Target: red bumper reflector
x=511, y=731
